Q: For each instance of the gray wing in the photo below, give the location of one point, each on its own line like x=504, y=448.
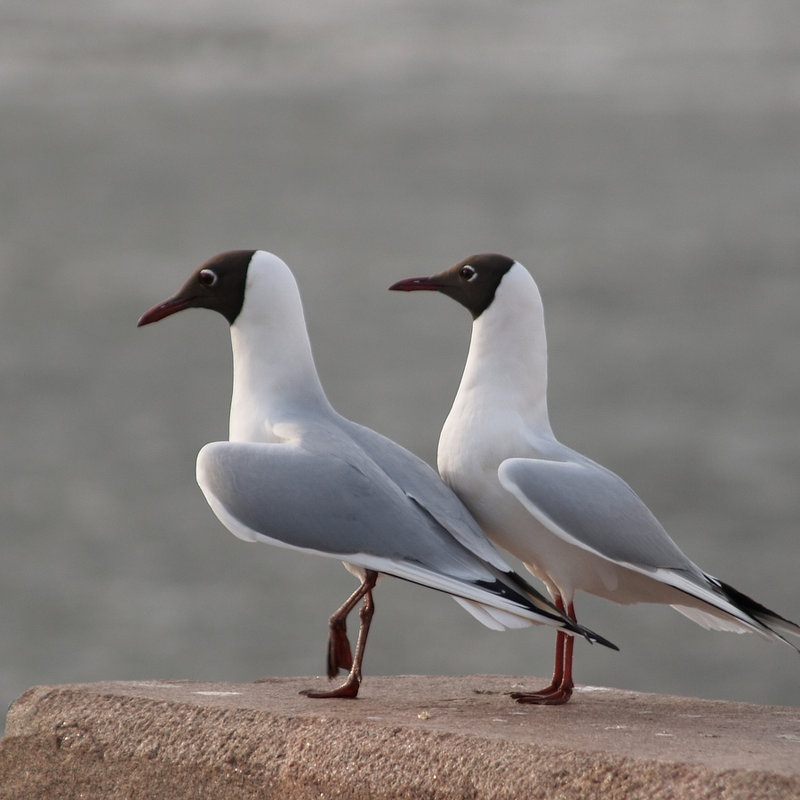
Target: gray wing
x=337, y=505
x=423, y=484
x=589, y=506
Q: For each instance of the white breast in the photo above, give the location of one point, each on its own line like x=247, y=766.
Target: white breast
x=500, y=412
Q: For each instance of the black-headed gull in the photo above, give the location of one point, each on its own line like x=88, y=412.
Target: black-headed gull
x=572, y=522
x=296, y=474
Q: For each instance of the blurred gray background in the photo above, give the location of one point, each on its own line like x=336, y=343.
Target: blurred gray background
x=642, y=159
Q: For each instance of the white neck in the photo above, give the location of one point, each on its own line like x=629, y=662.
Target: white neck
x=274, y=376
x=506, y=369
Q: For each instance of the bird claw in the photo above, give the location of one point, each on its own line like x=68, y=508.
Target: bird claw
x=551, y=696
x=340, y=657
x=348, y=690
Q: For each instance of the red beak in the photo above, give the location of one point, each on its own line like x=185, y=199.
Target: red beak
x=416, y=285
x=171, y=306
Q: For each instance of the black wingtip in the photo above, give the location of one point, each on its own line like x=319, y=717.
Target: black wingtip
x=522, y=594
x=761, y=614
x=593, y=638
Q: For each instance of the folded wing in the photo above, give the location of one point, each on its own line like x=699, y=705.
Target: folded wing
x=590, y=507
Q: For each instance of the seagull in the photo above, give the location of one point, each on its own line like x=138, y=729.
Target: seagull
x=296, y=474
x=572, y=522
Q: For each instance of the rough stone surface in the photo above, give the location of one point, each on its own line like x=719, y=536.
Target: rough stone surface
x=407, y=737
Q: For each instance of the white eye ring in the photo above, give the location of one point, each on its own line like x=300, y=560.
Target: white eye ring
x=468, y=273
x=208, y=277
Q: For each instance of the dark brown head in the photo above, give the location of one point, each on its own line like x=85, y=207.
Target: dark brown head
x=472, y=282
x=219, y=285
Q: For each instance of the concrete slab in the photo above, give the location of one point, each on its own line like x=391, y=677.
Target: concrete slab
x=405, y=737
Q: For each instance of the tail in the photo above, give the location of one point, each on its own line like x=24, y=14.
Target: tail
x=774, y=623
x=735, y=611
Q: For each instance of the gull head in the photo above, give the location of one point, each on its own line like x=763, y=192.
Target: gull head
x=472, y=282
x=221, y=282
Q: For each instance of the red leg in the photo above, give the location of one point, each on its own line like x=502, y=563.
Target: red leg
x=560, y=689
x=339, y=655
x=350, y=687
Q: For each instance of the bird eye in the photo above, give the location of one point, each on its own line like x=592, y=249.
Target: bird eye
x=468, y=273
x=208, y=277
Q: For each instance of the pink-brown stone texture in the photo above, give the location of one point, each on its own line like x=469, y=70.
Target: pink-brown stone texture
x=406, y=737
